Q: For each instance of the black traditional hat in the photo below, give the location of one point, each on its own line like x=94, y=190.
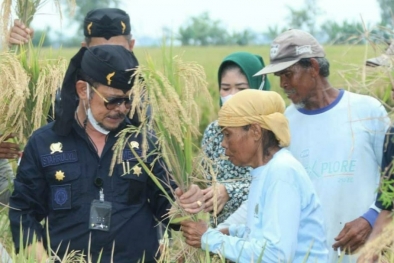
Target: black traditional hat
x=107, y=23
x=110, y=65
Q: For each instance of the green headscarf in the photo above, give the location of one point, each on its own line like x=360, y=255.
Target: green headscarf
x=249, y=64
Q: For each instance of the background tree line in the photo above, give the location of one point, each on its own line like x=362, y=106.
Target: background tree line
x=202, y=30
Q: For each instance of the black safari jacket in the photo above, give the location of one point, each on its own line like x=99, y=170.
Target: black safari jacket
x=55, y=180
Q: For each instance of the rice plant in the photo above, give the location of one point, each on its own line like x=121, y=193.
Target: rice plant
x=29, y=80
x=169, y=95
x=29, y=85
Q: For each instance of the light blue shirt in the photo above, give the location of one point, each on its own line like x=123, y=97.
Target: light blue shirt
x=284, y=218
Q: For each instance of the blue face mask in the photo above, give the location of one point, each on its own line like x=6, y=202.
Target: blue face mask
x=95, y=124
x=226, y=98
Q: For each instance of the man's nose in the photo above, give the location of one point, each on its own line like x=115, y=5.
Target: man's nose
x=283, y=82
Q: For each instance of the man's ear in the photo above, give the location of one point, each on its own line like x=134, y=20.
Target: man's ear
x=131, y=44
x=83, y=44
x=315, y=67
x=82, y=89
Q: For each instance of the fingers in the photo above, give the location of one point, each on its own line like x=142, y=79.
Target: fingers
x=208, y=193
x=208, y=199
x=341, y=239
x=9, y=150
x=187, y=226
x=220, y=193
x=193, y=208
x=351, y=237
x=178, y=192
x=357, y=241
x=205, y=191
x=12, y=135
x=19, y=34
x=191, y=201
x=208, y=206
x=221, y=206
x=192, y=195
x=192, y=231
x=192, y=240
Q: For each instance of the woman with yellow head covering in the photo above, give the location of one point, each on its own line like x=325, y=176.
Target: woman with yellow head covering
x=284, y=217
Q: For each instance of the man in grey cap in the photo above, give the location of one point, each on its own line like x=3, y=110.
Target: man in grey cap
x=385, y=59
x=336, y=134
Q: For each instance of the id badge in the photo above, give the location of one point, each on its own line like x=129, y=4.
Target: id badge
x=100, y=215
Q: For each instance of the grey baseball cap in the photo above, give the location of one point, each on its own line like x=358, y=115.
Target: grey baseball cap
x=386, y=59
x=289, y=47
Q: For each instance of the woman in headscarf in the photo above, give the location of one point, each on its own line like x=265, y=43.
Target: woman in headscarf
x=235, y=74
x=284, y=217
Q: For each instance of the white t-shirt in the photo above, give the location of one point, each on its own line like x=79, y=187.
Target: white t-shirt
x=341, y=148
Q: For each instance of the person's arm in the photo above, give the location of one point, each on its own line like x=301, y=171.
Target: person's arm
x=28, y=203
x=236, y=218
x=9, y=150
x=385, y=217
x=20, y=34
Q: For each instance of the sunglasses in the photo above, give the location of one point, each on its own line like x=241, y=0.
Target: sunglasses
x=113, y=103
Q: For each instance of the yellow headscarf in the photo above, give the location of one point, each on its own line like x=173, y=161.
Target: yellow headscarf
x=265, y=108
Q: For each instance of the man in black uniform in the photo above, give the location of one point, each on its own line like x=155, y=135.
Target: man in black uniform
x=101, y=26
x=64, y=173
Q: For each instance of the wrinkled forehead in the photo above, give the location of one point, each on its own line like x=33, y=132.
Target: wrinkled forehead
x=295, y=68
x=231, y=129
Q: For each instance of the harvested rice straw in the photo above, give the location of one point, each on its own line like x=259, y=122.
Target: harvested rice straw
x=29, y=87
x=382, y=246
x=29, y=82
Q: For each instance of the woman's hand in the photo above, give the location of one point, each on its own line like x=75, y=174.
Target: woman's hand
x=221, y=195
x=192, y=200
x=193, y=231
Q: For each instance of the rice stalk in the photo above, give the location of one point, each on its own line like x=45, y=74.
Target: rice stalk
x=5, y=21
x=25, y=9
x=29, y=86
x=382, y=246
x=169, y=94
x=15, y=83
